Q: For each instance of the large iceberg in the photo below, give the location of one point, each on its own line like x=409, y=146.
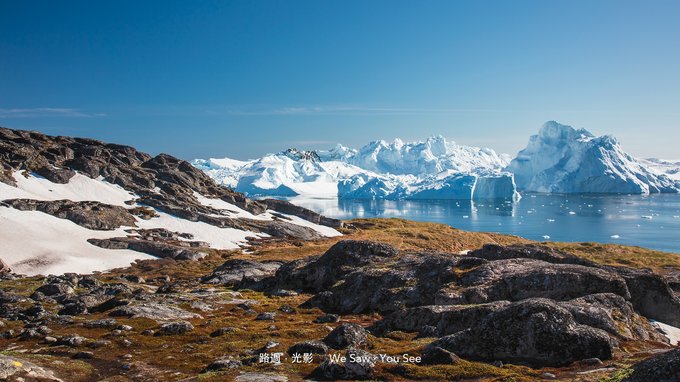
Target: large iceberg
x=562, y=159
x=432, y=169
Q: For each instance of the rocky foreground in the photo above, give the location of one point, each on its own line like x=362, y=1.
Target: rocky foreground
x=406, y=305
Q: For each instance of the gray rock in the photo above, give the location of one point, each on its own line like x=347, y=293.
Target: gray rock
x=536, y=332
x=313, y=347
x=613, y=314
x=222, y=331
x=326, y=318
x=108, y=323
x=495, y=252
x=154, y=311
x=16, y=369
x=83, y=355
x=175, y=328
x=224, y=364
x=661, y=368
x=233, y=272
x=266, y=316
x=359, y=365
x=437, y=320
x=651, y=295
x=434, y=355
x=260, y=377
x=73, y=340
x=346, y=335
x=54, y=289
x=88, y=214
x=518, y=279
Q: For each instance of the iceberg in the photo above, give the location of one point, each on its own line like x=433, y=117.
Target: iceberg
x=431, y=169
x=562, y=159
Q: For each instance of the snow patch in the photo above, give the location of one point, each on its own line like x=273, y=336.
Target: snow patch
x=671, y=332
x=79, y=188
x=37, y=243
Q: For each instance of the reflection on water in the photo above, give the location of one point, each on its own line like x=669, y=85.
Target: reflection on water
x=648, y=221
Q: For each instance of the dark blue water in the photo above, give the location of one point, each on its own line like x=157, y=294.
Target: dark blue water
x=646, y=221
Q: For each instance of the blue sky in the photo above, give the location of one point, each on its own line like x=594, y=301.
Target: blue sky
x=242, y=78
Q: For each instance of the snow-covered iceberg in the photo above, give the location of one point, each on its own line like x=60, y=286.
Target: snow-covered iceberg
x=562, y=159
x=432, y=169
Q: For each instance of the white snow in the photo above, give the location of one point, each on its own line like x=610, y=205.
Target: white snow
x=323, y=230
x=566, y=160
x=37, y=243
x=216, y=237
x=669, y=168
x=79, y=188
x=671, y=332
x=234, y=211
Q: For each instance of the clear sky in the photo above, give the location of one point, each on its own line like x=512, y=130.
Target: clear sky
x=243, y=78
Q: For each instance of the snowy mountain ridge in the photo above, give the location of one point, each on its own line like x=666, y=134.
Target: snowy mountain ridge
x=559, y=159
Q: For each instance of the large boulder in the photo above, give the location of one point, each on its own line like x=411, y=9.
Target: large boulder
x=89, y=214
x=437, y=320
x=517, y=279
x=358, y=365
x=661, y=368
x=347, y=335
x=536, y=332
x=527, y=251
x=234, y=272
x=613, y=314
x=15, y=369
x=651, y=295
x=318, y=274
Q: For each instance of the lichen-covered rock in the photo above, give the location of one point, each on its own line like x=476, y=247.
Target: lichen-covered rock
x=536, y=332
x=651, y=295
x=234, y=272
x=224, y=364
x=175, y=328
x=359, y=365
x=153, y=248
x=495, y=252
x=661, y=368
x=154, y=311
x=517, y=279
x=445, y=319
x=347, y=335
x=311, y=347
x=88, y=214
x=16, y=369
x=613, y=314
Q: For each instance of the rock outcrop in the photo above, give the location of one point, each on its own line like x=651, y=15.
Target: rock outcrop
x=89, y=214
x=662, y=368
x=523, y=304
x=536, y=332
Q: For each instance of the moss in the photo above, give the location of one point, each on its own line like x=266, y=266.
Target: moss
x=618, y=376
x=459, y=371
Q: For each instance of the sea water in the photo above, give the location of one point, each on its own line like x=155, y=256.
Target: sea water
x=648, y=221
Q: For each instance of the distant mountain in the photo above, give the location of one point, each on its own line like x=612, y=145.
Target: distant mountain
x=80, y=205
x=432, y=169
x=562, y=159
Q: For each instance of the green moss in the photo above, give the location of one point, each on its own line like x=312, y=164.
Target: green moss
x=618, y=376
